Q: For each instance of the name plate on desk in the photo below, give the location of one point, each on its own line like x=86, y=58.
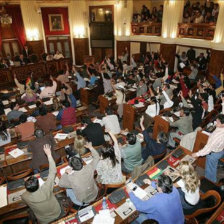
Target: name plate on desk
x=125, y=210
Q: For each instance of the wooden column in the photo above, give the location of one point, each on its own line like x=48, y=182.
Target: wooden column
x=37, y=47
x=81, y=46
x=168, y=52
x=216, y=62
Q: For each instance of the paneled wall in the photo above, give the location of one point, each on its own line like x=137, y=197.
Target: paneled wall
x=81, y=46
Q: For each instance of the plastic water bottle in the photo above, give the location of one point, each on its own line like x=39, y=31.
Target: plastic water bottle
x=104, y=203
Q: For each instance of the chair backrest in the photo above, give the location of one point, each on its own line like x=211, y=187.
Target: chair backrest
x=116, y=185
x=138, y=170
x=46, y=166
x=208, y=202
x=157, y=158
x=20, y=175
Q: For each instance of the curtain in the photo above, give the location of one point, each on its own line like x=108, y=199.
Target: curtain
x=17, y=23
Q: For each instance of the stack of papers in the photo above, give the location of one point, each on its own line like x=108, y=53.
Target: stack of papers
x=49, y=102
x=103, y=217
x=32, y=106
x=23, y=109
x=7, y=110
x=139, y=105
x=3, y=196
x=61, y=136
x=16, y=153
x=5, y=102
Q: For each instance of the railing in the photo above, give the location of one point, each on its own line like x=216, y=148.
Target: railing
x=199, y=31
x=146, y=28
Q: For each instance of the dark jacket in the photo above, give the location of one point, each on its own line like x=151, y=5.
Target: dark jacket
x=38, y=155
x=94, y=133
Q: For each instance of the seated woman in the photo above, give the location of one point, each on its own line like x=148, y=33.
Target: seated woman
x=188, y=185
x=5, y=136
x=109, y=166
x=79, y=145
x=29, y=96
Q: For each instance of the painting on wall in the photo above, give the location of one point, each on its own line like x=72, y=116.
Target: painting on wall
x=56, y=22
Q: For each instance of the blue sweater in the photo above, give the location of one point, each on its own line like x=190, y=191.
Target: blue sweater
x=164, y=208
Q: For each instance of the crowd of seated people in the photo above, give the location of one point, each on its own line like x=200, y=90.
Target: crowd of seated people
x=201, y=13
x=155, y=15
x=165, y=89
x=27, y=57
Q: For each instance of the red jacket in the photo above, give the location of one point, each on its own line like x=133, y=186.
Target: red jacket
x=68, y=116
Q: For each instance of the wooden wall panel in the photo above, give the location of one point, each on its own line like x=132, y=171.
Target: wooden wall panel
x=121, y=45
x=7, y=31
x=37, y=47
x=81, y=46
x=216, y=62
x=168, y=52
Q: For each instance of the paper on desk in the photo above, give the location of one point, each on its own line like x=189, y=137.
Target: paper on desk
x=138, y=192
x=177, y=113
x=3, y=196
x=61, y=136
x=23, y=109
x=7, y=110
x=132, y=90
x=32, y=106
x=103, y=217
x=16, y=153
x=49, y=102
x=55, y=113
x=5, y=102
x=62, y=171
x=139, y=105
x=16, y=196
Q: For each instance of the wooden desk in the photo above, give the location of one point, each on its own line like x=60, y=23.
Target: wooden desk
x=88, y=95
x=218, y=215
x=200, y=142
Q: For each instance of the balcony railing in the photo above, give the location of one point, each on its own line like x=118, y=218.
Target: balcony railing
x=199, y=31
x=146, y=28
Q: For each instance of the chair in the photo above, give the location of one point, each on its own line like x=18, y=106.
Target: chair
x=159, y=157
x=17, y=218
x=114, y=186
x=46, y=166
x=20, y=175
x=138, y=170
x=208, y=202
x=191, y=221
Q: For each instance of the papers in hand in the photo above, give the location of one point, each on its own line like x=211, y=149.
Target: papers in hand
x=3, y=196
x=16, y=153
x=23, y=109
x=7, y=110
x=88, y=159
x=61, y=136
x=188, y=158
x=103, y=217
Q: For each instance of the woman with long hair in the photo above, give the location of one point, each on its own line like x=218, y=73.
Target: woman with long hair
x=109, y=166
x=189, y=185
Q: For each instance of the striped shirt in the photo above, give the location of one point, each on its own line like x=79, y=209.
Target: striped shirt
x=215, y=143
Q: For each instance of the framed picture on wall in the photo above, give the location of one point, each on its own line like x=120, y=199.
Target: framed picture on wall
x=56, y=22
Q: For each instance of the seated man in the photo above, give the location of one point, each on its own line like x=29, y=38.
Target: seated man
x=14, y=113
x=46, y=121
x=38, y=156
x=165, y=206
x=110, y=121
x=41, y=199
x=93, y=132
x=131, y=154
x=79, y=180
x=183, y=125
x=25, y=128
x=153, y=147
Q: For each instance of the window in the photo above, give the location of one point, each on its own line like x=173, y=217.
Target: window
x=10, y=47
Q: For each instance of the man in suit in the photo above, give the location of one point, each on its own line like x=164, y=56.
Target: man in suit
x=183, y=125
x=26, y=52
x=38, y=155
x=41, y=199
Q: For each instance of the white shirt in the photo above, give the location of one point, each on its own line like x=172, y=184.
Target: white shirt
x=153, y=110
x=169, y=102
x=111, y=123
x=191, y=198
